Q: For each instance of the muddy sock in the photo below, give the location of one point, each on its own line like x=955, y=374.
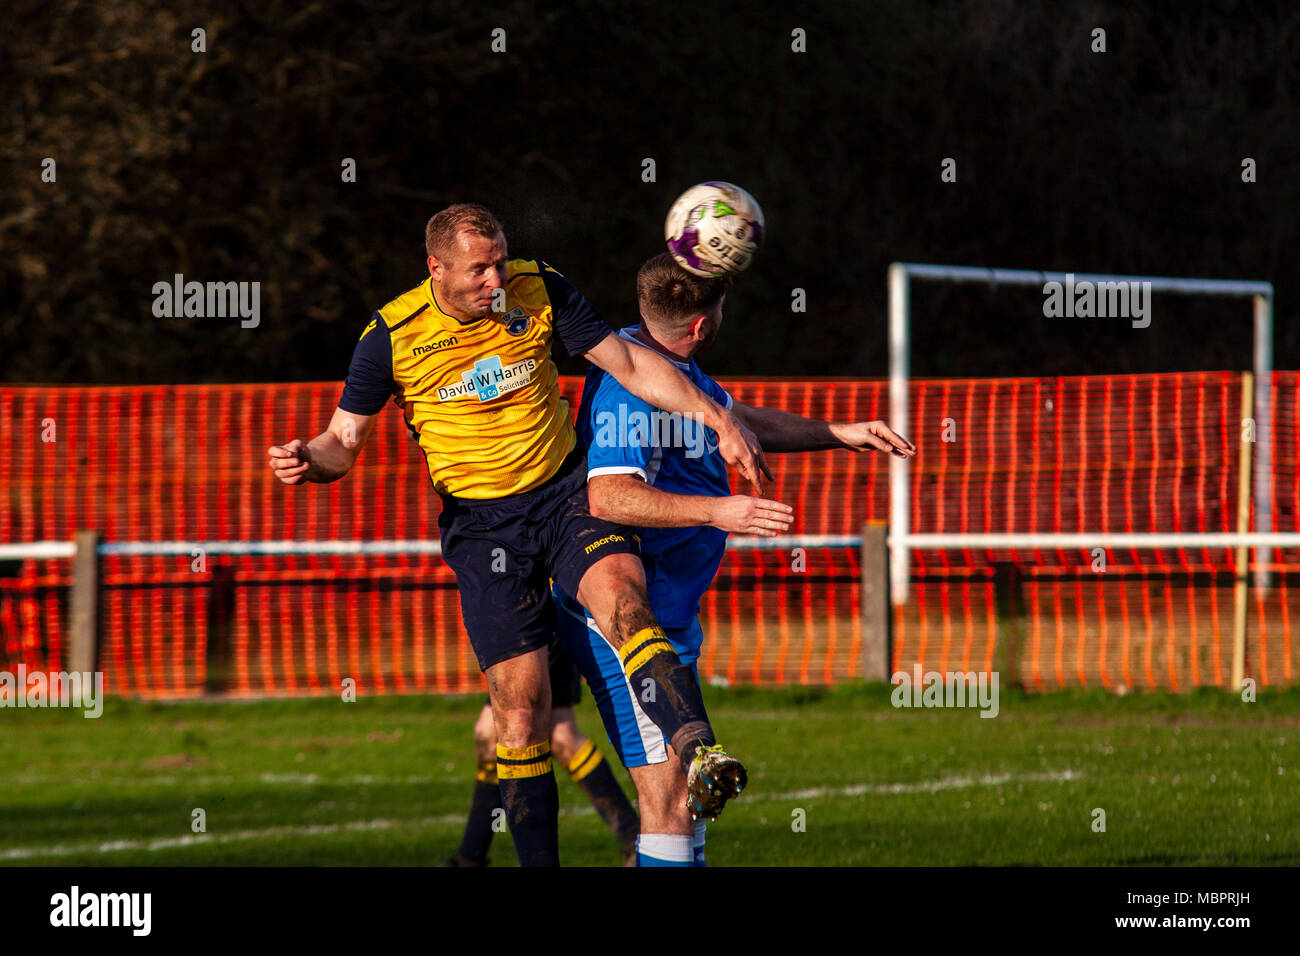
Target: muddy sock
x=478, y=827
x=531, y=801
x=592, y=772
x=667, y=691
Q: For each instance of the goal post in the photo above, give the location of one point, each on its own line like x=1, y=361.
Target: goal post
x=900, y=276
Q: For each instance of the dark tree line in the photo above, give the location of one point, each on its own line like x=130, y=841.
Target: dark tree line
x=226, y=166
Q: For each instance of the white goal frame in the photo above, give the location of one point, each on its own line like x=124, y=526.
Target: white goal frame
x=901, y=275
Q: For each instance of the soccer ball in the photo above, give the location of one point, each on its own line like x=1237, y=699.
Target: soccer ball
x=714, y=229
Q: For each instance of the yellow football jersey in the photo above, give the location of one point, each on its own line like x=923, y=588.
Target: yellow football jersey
x=481, y=398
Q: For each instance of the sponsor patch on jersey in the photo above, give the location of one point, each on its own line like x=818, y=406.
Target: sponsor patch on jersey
x=489, y=380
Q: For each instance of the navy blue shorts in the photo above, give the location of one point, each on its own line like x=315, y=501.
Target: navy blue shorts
x=566, y=680
x=505, y=551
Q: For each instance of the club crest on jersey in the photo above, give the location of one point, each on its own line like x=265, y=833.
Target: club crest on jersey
x=488, y=379
x=516, y=320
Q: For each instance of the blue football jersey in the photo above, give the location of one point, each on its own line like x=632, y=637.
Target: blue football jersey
x=624, y=435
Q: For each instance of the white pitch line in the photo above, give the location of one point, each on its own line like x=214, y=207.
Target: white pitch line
x=324, y=829
x=205, y=839
x=270, y=779
x=368, y=780
x=925, y=786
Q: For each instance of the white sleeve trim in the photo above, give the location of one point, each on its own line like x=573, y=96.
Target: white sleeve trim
x=730, y=401
x=617, y=470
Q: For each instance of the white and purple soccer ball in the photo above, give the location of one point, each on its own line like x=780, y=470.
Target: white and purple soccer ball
x=714, y=229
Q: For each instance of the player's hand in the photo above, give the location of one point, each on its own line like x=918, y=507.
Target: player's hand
x=740, y=448
x=868, y=436
x=742, y=514
x=290, y=461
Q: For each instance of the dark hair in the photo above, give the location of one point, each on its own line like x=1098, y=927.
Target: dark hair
x=440, y=234
x=670, y=297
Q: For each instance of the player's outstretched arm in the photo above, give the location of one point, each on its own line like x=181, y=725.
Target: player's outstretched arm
x=652, y=378
x=327, y=457
x=626, y=499
x=782, y=431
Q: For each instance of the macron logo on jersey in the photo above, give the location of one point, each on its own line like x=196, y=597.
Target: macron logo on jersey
x=488, y=379
x=448, y=342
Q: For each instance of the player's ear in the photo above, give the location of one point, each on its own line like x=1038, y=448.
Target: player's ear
x=700, y=328
x=435, y=268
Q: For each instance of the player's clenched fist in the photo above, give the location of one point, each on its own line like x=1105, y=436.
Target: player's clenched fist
x=742, y=514
x=290, y=461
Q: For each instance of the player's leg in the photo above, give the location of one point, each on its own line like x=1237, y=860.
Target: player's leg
x=637, y=741
x=667, y=834
x=598, y=562
x=520, y=692
x=613, y=591
x=667, y=831
x=589, y=769
x=665, y=789
x=614, y=594
x=507, y=609
x=578, y=754
x=670, y=836
x=477, y=839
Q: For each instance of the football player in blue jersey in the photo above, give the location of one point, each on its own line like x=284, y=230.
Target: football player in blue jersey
x=662, y=474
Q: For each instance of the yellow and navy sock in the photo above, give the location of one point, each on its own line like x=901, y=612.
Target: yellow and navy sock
x=665, y=849
x=591, y=771
x=667, y=691
x=478, y=827
x=531, y=801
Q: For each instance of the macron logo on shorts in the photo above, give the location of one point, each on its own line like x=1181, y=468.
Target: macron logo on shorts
x=605, y=540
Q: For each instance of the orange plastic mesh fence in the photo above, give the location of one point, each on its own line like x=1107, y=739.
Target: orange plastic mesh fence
x=1095, y=454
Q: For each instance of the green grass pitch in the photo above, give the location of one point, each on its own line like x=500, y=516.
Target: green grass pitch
x=1194, y=779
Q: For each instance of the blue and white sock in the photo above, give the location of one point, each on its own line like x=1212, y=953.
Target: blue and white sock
x=665, y=849
x=697, y=844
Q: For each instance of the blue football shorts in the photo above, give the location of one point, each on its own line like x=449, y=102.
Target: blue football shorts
x=633, y=734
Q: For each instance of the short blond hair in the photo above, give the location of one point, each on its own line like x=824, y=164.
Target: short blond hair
x=443, y=228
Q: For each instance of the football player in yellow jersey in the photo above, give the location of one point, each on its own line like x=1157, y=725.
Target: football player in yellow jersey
x=466, y=356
